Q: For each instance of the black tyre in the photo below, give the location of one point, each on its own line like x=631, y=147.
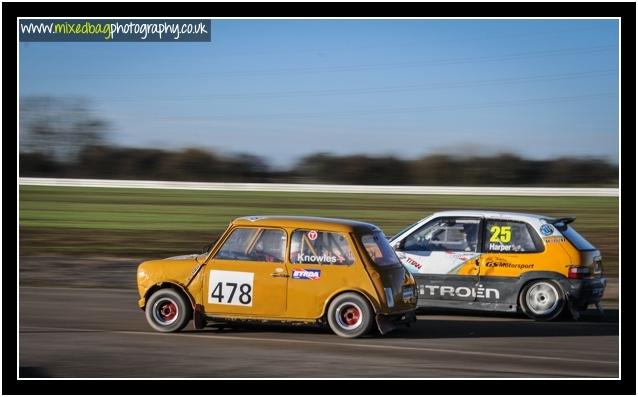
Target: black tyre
x=350, y=315
x=168, y=310
x=542, y=300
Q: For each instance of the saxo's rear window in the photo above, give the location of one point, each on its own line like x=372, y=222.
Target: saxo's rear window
x=577, y=240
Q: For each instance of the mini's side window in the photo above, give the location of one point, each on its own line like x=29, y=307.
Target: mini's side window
x=444, y=234
x=510, y=236
x=323, y=248
x=254, y=244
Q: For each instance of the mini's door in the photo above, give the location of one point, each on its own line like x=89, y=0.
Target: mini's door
x=248, y=274
x=320, y=263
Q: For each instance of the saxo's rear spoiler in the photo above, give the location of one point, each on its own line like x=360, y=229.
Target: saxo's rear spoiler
x=565, y=221
x=561, y=223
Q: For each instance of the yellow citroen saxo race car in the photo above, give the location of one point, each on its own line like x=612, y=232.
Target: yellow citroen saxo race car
x=502, y=261
x=283, y=269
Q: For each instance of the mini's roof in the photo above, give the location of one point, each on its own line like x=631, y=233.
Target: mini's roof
x=306, y=222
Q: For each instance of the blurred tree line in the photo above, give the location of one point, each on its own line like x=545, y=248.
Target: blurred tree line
x=63, y=139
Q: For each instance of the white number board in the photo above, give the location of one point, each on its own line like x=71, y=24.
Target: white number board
x=230, y=288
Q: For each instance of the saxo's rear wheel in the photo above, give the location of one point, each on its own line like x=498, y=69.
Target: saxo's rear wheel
x=542, y=300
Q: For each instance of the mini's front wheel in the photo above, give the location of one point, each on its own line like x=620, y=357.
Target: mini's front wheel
x=350, y=315
x=168, y=311
x=542, y=300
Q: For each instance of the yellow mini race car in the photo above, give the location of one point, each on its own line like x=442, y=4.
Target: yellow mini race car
x=283, y=269
x=502, y=261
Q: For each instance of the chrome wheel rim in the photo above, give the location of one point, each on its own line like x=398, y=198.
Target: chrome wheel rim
x=542, y=298
x=165, y=311
x=349, y=316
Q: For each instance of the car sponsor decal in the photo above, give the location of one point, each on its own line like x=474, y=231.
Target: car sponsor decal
x=460, y=257
x=438, y=262
x=465, y=261
x=412, y=262
x=461, y=292
x=230, y=288
x=546, y=230
x=501, y=263
x=553, y=240
x=312, y=235
x=299, y=273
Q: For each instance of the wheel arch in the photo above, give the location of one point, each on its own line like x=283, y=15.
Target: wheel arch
x=529, y=277
x=373, y=304
x=172, y=285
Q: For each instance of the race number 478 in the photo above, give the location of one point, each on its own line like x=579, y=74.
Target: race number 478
x=230, y=288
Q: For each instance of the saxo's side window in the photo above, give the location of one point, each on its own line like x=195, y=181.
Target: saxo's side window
x=444, y=234
x=510, y=236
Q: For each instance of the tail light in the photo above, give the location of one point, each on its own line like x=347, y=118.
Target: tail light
x=578, y=272
x=598, y=265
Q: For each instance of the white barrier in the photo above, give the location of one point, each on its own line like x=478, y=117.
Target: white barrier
x=291, y=187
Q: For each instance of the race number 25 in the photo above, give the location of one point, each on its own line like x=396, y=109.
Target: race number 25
x=230, y=288
x=501, y=234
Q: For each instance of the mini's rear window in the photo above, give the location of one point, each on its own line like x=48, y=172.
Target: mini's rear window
x=379, y=249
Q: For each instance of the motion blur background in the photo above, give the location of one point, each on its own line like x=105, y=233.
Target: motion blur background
x=362, y=102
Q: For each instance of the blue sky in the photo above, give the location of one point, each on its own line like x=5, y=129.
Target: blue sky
x=282, y=89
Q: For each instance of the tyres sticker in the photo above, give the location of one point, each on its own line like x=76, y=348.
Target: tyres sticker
x=230, y=288
x=299, y=273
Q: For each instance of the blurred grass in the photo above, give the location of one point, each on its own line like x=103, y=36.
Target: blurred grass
x=149, y=223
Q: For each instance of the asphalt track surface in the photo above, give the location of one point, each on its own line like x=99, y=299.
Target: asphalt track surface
x=100, y=333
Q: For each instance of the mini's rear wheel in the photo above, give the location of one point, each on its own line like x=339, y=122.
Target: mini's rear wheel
x=542, y=300
x=168, y=311
x=350, y=315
